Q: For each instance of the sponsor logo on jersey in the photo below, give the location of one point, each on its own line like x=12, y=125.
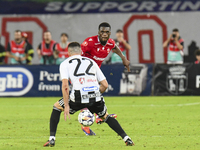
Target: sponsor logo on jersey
x=177, y=80
x=91, y=80
x=97, y=58
x=91, y=88
x=90, y=39
x=15, y=81
x=91, y=95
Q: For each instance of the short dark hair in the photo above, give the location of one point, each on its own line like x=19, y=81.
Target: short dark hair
x=104, y=24
x=197, y=52
x=18, y=30
x=119, y=31
x=65, y=34
x=74, y=44
x=175, y=30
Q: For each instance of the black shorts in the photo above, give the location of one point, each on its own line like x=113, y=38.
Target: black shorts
x=97, y=107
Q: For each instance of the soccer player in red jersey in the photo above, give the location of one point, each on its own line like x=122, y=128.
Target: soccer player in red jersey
x=97, y=48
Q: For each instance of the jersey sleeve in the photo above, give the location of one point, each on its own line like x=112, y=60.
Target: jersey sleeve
x=54, y=46
x=113, y=42
x=39, y=46
x=99, y=73
x=27, y=48
x=64, y=71
x=182, y=43
x=8, y=47
x=85, y=47
x=2, y=48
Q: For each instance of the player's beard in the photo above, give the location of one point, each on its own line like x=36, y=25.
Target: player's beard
x=18, y=40
x=103, y=42
x=47, y=40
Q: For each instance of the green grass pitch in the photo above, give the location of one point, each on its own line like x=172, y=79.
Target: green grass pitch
x=171, y=123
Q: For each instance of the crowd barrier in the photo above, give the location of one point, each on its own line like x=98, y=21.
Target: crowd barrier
x=143, y=80
x=176, y=79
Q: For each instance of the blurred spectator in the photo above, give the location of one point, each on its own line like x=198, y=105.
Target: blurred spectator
x=45, y=49
x=30, y=52
x=197, y=54
x=61, y=49
x=17, y=49
x=123, y=46
x=175, y=48
x=2, y=54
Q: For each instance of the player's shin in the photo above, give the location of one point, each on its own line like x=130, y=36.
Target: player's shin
x=54, y=120
x=114, y=124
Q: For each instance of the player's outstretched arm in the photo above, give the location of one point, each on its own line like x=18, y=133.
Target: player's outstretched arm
x=165, y=44
x=103, y=86
x=124, y=60
x=180, y=47
x=65, y=92
x=127, y=46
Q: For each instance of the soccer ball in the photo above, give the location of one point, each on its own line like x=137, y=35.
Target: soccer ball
x=86, y=118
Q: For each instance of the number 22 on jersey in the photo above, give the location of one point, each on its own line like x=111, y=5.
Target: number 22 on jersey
x=79, y=62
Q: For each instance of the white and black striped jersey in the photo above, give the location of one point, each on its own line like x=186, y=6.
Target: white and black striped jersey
x=85, y=76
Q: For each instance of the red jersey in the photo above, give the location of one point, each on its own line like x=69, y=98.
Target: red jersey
x=63, y=52
x=93, y=49
x=173, y=47
x=17, y=48
x=120, y=45
x=47, y=51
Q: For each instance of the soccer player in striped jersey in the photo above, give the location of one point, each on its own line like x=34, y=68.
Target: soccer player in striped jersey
x=85, y=76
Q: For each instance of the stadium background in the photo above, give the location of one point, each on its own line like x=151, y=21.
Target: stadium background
x=155, y=122
x=146, y=25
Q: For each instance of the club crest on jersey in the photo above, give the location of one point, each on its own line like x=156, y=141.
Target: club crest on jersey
x=82, y=80
x=85, y=43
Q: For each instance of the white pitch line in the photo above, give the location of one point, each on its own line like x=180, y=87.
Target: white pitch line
x=61, y=137
x=113, y=105
x=154, y=105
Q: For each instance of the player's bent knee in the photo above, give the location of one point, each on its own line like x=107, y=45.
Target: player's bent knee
x=57, y=105
x=104, y=117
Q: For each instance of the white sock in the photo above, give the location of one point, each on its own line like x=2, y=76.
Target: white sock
x=126, y=137
x=52, y=137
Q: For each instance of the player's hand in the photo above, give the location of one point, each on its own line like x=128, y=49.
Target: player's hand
x=66, y=112
x=126, y=64
x=23, y=58
x=171, y=37
x=176, y=38
x=16, y=58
